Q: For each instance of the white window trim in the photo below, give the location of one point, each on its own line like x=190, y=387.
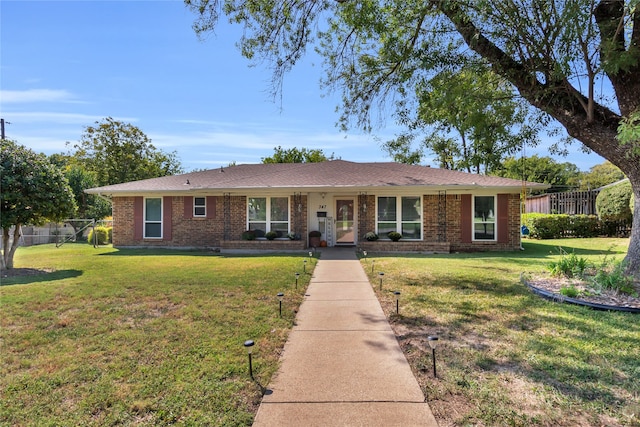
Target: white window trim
x=145, y=222
x=268, y=221
x=199, y=206
x=495, y=218
x=398, y=220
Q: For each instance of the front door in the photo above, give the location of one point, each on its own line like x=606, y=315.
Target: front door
x=345, y=232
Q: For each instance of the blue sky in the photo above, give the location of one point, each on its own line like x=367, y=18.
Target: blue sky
x=67, y=64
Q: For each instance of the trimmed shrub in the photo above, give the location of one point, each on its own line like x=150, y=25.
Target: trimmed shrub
x=543, y=226
x=102, y=235
x=612, y=203
x=394, y=236
x=556, y=226
x=585, y=226
x=270, y=235
x=248, y=235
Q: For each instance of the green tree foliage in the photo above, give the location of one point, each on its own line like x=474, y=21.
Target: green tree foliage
x=561, y=176
x=601, y=175
x=612, y=203
x=470, y=118
x=89, y=205
x=295, y=155
x=556, y=56
x=34, y=191
x=117, y=152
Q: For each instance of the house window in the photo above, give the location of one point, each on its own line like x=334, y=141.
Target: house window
x=268, y=214
x=484, y=218
x=199, y=206
x=401, y=214
x=153, y=218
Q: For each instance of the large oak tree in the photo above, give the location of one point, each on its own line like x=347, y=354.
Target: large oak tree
x=556, y=54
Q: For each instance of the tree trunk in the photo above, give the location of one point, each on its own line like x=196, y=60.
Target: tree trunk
x=10, y=250
x=633, y=254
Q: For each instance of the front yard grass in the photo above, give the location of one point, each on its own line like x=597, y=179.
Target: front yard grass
x=144, y=337
x=506, y=356
x=141, y=337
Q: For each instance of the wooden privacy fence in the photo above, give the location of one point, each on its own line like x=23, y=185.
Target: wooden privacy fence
x=570, y=203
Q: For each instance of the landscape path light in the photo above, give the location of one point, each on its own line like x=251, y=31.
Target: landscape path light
x=249, y=346
x=297, y=276
x=304, y=265
x=373, y=264
x=364, y=253
x=280, y=297
x=433, y=343
x=397, y=294
x=381, y=274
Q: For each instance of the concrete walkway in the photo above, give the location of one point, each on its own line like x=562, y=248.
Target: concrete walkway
x=342, y=365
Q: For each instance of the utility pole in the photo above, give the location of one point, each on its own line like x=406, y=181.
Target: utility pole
x=2, y=135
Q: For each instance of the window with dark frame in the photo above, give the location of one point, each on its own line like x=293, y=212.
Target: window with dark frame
x=199, y=206
x=153, y=218
x=401, y=214
x=484, y=218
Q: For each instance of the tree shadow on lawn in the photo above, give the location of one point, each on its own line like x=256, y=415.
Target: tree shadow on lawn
x=27, y=276
x=567, y=349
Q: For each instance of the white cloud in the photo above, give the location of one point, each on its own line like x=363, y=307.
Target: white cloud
x=59, y=118
x=36, y=95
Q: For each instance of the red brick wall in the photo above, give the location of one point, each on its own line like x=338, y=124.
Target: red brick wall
x=510, y=243
x=194, y=232
x=454, y=229
x=123, y=230
x=209, y=232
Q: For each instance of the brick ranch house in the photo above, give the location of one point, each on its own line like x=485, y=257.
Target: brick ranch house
x=435, y=210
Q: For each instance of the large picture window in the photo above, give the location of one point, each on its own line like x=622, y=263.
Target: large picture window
x=401, y=214
x=484, y=218
x=268, y=214
x=153, y=218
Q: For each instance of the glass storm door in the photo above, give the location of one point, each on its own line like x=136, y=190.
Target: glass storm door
x=344, y=222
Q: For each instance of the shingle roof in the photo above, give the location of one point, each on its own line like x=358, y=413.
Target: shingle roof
x=329, y=174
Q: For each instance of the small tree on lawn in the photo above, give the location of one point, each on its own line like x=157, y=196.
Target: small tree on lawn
x=33, y=192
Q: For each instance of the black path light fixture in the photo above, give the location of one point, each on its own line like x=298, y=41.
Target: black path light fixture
x=397, y=294
x=373, y=264
x=433, y=343
x=304, y=265
x=280, y=297
x=297, y=276
x=249, y=346
x=381, y=275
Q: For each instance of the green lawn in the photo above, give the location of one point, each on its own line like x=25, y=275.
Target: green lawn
x=507, y=357
x=141, y=337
